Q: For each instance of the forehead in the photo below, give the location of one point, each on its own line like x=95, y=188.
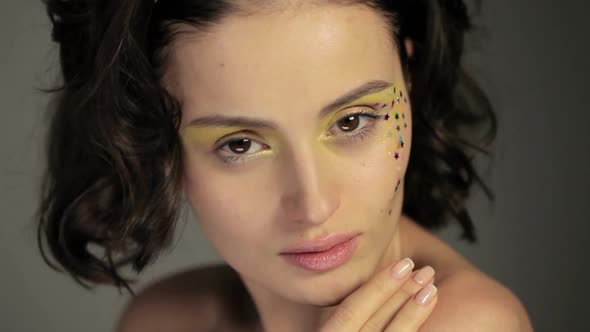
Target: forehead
x=288, y=60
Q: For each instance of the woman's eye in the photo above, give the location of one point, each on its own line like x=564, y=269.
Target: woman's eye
x=237, y=149
x=351, y=123
x=239, y=146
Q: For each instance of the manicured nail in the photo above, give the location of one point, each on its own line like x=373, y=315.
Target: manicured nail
x=424, y=275
x=426, y=294
x=402, y=268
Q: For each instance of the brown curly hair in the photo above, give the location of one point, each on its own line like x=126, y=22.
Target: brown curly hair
x=113, y=179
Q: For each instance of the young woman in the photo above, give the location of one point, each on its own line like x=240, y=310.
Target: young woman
x=314, y=141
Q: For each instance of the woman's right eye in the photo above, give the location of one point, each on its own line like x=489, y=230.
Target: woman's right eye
x=237, y=149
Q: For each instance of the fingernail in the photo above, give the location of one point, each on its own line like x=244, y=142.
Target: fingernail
x=424, y=275
x=426, y=294
x=402, y=268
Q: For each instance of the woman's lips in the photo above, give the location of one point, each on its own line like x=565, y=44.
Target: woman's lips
x=325, y=254
x=319, y=244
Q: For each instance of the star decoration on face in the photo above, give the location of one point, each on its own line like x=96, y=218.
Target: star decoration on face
x=397, y=116
x=396, y=156
x=401, y=144
x=386, y=117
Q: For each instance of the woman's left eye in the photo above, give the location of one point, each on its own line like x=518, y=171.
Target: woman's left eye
x=351, y=122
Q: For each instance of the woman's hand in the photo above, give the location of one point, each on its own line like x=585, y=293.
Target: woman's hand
x=393, y=300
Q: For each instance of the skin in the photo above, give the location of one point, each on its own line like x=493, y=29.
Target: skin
x=307, y=185
x=302, y=179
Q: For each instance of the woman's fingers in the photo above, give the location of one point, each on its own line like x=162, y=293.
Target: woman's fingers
x=386, y=312
x=353, y=313
x=415, y=311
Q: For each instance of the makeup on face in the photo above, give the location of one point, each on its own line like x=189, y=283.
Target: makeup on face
x=258, y=137
x=397, y=124
x=212, y=139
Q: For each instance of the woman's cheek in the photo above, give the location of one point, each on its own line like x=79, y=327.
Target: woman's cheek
x=396, y=138
x=395, y=145
x=227, y=221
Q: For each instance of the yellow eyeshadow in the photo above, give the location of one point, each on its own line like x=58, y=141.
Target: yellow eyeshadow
x=383, y=97
x=207, y=136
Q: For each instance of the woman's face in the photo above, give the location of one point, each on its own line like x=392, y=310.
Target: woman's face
x=270, y=160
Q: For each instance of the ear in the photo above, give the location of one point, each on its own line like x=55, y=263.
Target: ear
x=409, y=49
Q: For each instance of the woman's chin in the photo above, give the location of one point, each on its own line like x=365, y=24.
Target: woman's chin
x=326, y=295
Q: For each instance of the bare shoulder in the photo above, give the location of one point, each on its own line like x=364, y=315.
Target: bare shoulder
x=469, y=300
x=202, y=299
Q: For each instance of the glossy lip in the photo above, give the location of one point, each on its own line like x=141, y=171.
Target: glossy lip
x=322, y=261
x=320, y=244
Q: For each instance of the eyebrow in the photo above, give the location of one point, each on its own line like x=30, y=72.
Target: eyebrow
x=241, y=121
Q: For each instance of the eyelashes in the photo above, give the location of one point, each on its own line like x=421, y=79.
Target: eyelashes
x=368, y=120
x=236, y=159
x=359, y=135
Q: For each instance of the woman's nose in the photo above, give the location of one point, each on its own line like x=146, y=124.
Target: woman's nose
x=311, y=197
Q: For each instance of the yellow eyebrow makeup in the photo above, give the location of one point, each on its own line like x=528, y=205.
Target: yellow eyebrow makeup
x=379, y=101
x=207, y=136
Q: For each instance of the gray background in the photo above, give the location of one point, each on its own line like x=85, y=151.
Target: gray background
x=534, y=63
